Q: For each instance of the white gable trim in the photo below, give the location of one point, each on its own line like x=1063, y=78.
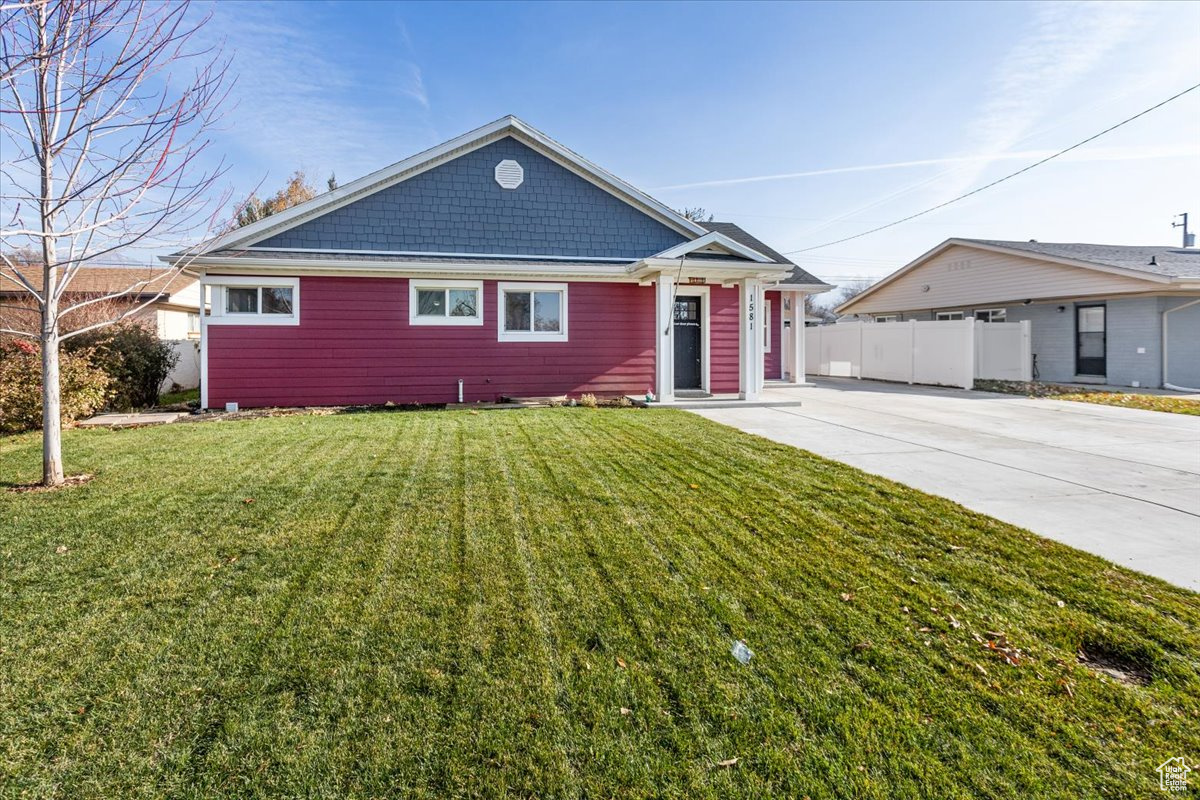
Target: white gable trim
x=709, y=240
x=1014, y=251
x=435, y=156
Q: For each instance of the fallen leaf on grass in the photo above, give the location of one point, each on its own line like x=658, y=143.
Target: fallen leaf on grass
x=954, y=623
x=62, y=548
x=621, y=663
x=693, y=486
x=847, y=596
x=727, y=763
x=862, y=646
x=625, y=712
x=248, y=500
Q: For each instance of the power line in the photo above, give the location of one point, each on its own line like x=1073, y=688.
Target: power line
x=998, y=180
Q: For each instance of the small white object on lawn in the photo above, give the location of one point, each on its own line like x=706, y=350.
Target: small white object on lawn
x=741, y=652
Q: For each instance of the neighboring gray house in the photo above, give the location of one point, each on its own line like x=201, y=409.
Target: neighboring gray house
x=1109, y=314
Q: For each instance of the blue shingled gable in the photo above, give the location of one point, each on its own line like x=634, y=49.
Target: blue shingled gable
x=458, y=207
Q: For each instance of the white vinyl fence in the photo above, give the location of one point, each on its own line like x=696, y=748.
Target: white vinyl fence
x=187, y=371
x=943, y=353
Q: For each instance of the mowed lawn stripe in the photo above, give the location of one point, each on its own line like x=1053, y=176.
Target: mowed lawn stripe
x=462, y=605
x=90, y=676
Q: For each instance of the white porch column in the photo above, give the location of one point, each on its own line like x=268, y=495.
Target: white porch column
x=664, y=338
x=796, y=365
x=750, y=361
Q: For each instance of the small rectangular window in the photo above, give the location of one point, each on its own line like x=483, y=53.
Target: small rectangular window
x=949, y=315
x=445, y=303
x=888, y=318
x=991, y=314
x=276, y=300
x=766, y=326
x=533, y=312
x=194, y=323
x=239, y=300
x=245, y=300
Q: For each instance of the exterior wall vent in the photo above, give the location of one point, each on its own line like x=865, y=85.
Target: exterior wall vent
x=509, y=174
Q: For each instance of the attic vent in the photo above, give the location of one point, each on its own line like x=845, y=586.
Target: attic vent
x=509, y=174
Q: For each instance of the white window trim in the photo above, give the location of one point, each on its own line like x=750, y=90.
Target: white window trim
x=415, y=285
x=888, y=318
x=767, y=326
x=218, y=315
x=530, y=336
x=948, y=316
x=990, y=312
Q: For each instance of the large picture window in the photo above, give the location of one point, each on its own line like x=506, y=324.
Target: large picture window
x=254, y=301
x=533, y=312
x=445, y=302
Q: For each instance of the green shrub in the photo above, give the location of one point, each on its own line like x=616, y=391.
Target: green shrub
x=84, y=387
x=136, y=359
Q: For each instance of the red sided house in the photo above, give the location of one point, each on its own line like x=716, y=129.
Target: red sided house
x=499, y=264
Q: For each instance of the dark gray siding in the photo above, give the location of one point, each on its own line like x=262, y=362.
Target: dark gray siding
x=459, y=208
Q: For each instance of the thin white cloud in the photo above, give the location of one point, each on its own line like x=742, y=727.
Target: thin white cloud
x=1065, y=42
x=298, y=97
x=1083, y=155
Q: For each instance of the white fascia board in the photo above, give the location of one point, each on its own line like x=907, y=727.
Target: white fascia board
x=427, y=159
x=808, y=288
x=709, y=239
x=242, y=266
x=437, y=254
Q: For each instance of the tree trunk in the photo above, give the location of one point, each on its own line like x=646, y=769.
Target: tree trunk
x=52, y=469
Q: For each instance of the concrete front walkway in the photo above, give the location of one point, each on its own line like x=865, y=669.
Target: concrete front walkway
x=1121, y=483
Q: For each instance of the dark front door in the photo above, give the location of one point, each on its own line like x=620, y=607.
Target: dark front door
x=1090, y=346
x=688, y=342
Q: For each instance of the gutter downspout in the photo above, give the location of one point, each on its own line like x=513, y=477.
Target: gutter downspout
x=1165, y=384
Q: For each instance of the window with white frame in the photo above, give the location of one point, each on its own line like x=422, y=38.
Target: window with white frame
x=948, y=315
x=193, y=323
x=445, y=302
x=767, y=326
x=888, y=318
x=991, y=314
x=532, y=312
x=254, y=301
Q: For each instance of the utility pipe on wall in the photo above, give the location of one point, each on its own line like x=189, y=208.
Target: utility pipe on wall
x=1165, y=383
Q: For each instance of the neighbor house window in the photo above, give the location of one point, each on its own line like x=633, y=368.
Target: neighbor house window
x=888, y=318
x=991, y=314
x=948, y=315
x=252, y=301
x=445, y=302
x=193, y=323
x=533, y=312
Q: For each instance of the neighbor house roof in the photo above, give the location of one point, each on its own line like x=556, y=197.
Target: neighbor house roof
x=1173, y=262
x=103, y=280
x=1171, y=267
x=799, y=276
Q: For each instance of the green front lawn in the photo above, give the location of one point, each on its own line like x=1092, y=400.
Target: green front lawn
x=542, y=604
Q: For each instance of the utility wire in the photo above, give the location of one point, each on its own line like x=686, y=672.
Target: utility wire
x=998, y=180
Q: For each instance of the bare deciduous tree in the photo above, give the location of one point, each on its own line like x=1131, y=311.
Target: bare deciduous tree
x=297, y=190
x=696, y=214
x=105, y=109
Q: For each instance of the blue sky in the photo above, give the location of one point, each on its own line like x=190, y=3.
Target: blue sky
x=730, y=106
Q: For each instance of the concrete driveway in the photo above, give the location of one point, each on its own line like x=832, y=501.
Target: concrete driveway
x=1120, y=483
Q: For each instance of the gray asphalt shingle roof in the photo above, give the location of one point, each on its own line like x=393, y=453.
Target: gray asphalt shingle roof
x=798, y=276
x=1172, y=262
